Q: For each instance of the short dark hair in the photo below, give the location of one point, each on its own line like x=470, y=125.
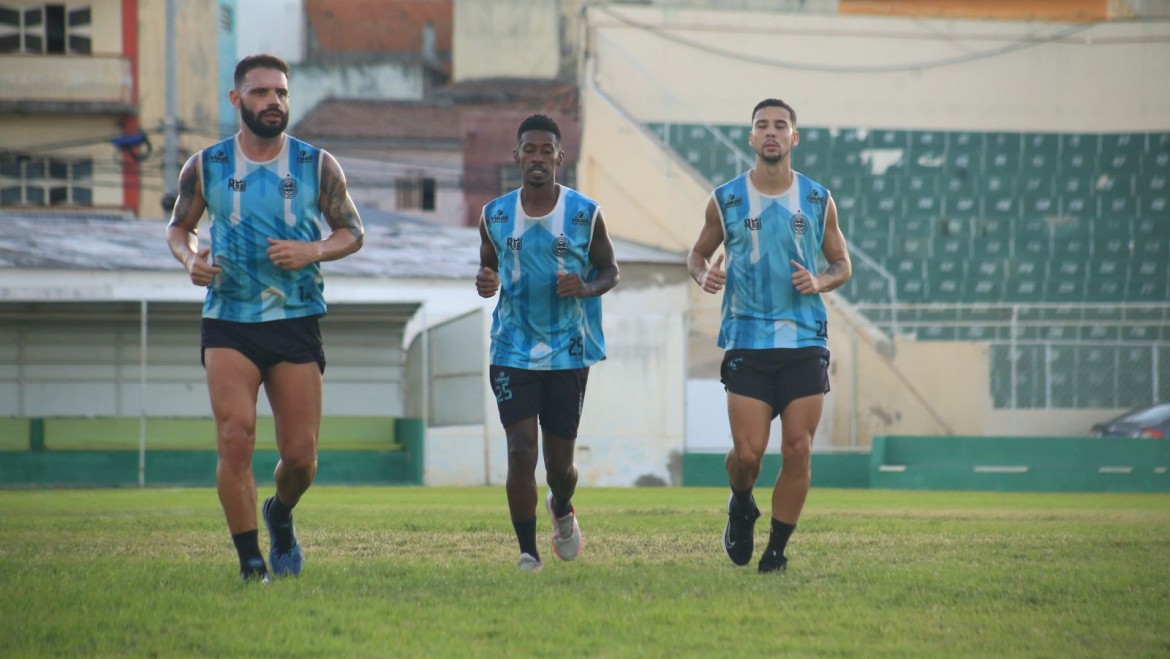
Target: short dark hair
x=774, y=103
x=259, y=61
x=538, y=122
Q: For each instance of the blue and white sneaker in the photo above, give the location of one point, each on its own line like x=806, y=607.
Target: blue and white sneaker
x=285, y=556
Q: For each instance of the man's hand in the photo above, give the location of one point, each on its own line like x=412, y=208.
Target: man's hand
x=292, y=254
x=715, y=277
x=803, y=280
x=487, y=282
x=201, y=271
x=570, y=285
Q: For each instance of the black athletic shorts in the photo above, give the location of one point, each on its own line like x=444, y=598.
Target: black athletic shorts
x=294, y=340
x=555, y=397
x=777, y=376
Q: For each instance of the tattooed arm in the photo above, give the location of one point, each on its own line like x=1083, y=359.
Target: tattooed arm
x=347, y=234
x=182, y=235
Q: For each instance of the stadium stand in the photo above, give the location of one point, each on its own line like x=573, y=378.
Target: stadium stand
x=1053, y=224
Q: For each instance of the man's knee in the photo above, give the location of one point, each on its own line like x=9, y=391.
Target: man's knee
x=747, y=456
x=797, y=452
x=236, y=441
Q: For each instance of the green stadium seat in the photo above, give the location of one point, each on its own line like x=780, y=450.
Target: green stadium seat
x=944, y=278
x=889, y=139
x=961, y=205
x=964, y=154
x=1064, y=290
x=1001, y=206
x=1074, y=246
x=912, y=246
x=1152, y=183
x=882, y=186
x=958, y=185
x=956, y=247
x=991, y=248
x=911, y=290
x=874, y=289
x=1098, y=332
x=1071, y=184
x=1078, y=154
x=1157, y=207
x=1003, y=153
x=1032, y=248
x=994, y=228
x=1041, y=153
x=1077, y=206
x=915, y=225
x=928, y=151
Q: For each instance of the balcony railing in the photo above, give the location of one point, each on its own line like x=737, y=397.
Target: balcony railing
x=66, y=82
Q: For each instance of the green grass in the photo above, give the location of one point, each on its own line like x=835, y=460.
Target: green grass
x=428, y=572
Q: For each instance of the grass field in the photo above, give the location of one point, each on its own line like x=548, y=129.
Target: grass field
x=429, y=572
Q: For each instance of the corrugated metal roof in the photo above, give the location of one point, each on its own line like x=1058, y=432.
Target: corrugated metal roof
x=396, y=246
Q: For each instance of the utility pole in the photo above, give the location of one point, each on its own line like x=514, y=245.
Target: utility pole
x=170, y=123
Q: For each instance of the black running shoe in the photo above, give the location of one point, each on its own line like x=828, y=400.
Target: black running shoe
x=773, y=561
x=737, y=536
x=255, y=571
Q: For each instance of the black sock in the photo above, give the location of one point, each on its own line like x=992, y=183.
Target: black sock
x=743, y=501
x=526, y=535
x=247, y=546
x=778, y=538
x=560, y=509
x=278, y=512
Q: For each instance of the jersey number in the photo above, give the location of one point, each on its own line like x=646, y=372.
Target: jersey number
x=822, y=328
x=503, y=392
x=576, y=346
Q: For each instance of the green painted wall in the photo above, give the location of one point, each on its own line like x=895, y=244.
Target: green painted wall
x=104, y=452
x=1040, y=464
x=828, y=469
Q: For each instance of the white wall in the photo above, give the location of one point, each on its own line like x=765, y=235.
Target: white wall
x=886, y=72
x=505, y=39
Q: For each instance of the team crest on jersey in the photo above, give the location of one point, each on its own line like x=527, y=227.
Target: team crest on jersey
x=498, y=217
x=752, y=223
x=732, y=201
x=239, y=185
x=515, y=244
x=560, y=246
x=815, y=197
x=304, y=156
x=217, y=156
x=288, y=187
x=581, y=219
x=799, y=223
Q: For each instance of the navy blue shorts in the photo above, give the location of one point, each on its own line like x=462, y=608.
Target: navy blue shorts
x=555, y=397
x=294, y=340
x=777, y=376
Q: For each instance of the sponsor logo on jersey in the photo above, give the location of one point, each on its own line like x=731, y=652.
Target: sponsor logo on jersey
x=217, y=156
x=815, y=197
x=732, y=201
x=581, y=219
x=239, y=185
x=515, y=244
x=560, y=246
x=288, y=187
x=498, y=217
x=799, y=223
x=752, y=223
x=304, y=156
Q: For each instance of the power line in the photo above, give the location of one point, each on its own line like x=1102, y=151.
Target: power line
x=821, y=68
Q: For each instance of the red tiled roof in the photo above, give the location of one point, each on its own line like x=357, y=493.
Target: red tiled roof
x=378, y=26
x=381, y=120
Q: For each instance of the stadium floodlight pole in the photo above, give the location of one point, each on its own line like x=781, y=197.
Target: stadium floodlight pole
x=170, y=123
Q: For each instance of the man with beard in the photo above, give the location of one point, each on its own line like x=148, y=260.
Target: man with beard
x=545, y=248
x=265, y=194
x=773, y=222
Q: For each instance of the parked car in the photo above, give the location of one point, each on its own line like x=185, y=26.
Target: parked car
x=1151, y=422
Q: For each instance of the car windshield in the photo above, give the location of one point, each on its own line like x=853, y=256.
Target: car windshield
x=1152, y=416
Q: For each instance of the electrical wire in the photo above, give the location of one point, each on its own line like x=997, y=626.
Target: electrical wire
x=662, y=33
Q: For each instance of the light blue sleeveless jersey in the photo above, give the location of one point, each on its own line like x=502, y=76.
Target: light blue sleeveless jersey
x=761, y=307
x=532, y=327
x=249, y=202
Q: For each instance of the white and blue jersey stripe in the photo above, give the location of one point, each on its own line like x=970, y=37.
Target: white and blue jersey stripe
x=249, y=202
x=761, y=234
x=532, y=327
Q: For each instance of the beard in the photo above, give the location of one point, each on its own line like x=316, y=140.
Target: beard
x=261, y=129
